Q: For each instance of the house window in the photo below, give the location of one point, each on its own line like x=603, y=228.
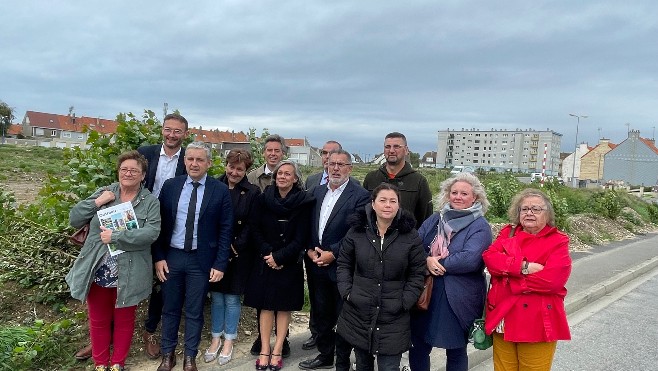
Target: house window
x=66, y=135
x=81, y=136
x=53, y=133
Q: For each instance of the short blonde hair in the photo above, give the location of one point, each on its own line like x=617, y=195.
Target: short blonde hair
x=478, y=190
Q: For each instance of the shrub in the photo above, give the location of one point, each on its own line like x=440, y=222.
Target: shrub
x=653, y=213
x=39, y=346
x=607, y=203
x=500, y=191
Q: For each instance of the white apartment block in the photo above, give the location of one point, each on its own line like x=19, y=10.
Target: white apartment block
x=500, y=150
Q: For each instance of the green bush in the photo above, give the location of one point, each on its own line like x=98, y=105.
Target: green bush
x=40, y=346
x=500, y=191
x=653, y=213
x=607, y=203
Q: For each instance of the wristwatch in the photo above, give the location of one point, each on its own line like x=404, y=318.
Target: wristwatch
x=524, y=268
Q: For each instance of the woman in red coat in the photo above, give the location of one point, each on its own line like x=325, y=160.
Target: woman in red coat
x=529, y=264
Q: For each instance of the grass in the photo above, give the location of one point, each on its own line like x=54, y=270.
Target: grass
x=17, y=161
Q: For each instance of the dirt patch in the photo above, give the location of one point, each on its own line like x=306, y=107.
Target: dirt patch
x=25, y=191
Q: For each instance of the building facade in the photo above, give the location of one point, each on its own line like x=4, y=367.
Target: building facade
x=591, y=163
x=500, y=150
x=635, y=161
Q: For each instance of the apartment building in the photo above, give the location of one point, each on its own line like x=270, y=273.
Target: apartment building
x=500, y=150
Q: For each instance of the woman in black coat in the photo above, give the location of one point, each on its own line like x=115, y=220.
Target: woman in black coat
x=225, y=309
x=380, y=277
x=281, y=232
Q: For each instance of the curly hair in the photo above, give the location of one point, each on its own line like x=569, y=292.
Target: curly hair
x=478, y=190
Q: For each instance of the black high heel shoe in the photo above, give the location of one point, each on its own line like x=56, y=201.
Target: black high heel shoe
x=279, y=365
x=265, y=365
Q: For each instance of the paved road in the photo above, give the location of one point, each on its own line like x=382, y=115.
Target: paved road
x=617, y=332
x=598, y=273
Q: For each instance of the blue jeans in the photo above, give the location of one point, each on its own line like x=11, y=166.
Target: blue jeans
x=225, y=315
x=366, y=361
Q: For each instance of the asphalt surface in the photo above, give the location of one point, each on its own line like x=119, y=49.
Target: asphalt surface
x=595, y=274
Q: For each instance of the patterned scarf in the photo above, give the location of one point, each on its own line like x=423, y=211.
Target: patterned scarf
x=451, y=222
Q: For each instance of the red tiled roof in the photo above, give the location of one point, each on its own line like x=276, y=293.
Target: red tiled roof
x=294, y=142
x=14, y=129
x=65, y=122
x=216, y=136
x=649, y=143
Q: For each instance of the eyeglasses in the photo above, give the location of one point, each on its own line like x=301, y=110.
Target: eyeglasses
x=339, y=164
x=126, y=171
x=174, y=131
x=324, y=152
x=532, y=209
x=394, y=147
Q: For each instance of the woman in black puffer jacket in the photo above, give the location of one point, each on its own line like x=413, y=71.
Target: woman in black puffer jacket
x=380, y=277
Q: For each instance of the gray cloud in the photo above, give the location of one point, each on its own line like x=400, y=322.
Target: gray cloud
x=345, y=70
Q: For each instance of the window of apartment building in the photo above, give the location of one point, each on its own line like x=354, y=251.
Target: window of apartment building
x=53, y=133
x=475, y=154
x=477, y=135
x=504, y=135
x=477, y=148
x=475, y=161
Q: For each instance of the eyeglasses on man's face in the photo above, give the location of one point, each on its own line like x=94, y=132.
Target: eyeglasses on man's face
x=339, y=164
x=168, y=131
x=393, y=147
x=532, y=209
x=126, y=171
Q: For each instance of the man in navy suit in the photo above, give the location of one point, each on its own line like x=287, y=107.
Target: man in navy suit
x=192, y=250
x=335, y=203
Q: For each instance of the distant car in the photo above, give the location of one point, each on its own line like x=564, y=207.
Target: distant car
x=457, y=169
x=535, y=177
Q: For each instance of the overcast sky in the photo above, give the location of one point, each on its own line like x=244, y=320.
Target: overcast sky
x=345, y=70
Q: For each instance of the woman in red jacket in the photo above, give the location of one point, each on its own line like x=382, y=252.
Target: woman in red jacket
x=529, y=264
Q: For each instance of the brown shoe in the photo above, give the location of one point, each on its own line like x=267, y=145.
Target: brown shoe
x=189, y=364
x=151, y=345
x=168, y=362
x=84, y=353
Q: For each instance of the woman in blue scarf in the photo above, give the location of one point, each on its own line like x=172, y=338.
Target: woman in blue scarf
x=454, y=238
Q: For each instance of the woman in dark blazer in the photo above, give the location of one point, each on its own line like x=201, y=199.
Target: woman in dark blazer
x=281, y=233
x=380, y=277
x=225, y=309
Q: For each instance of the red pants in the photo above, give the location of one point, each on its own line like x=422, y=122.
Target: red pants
x=109, y=325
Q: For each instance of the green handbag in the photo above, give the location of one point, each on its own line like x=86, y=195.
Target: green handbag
x=476, y=334
x=478, y=337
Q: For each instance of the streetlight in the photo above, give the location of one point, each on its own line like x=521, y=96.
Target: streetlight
x=573, y=170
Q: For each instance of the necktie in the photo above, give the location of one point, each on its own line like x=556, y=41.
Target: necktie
x=191, y=215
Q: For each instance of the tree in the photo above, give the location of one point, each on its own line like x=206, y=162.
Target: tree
x=6, y=117
x=414, y=159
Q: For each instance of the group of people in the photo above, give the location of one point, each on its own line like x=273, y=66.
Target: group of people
x=248, y=235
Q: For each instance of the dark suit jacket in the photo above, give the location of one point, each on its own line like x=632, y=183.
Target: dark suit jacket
x=215, y=224
x=313, y=181
x=152, y=154
x=353, y=197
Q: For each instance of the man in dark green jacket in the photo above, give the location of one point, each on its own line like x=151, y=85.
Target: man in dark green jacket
x=415, y=194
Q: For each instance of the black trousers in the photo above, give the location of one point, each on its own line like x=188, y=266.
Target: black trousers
x=328, y=304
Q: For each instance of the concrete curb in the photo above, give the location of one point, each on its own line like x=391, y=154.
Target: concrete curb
x=581, y=299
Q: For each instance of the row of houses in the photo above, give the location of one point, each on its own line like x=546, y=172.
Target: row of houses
x=633, y=161
x=62, y=131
